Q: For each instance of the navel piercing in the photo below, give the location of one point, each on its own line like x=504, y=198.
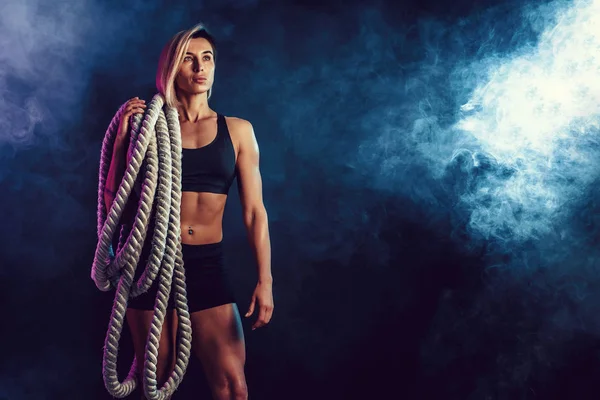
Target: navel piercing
x=190, y=231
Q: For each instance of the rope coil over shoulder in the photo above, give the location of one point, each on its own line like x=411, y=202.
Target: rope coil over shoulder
x=155, y=150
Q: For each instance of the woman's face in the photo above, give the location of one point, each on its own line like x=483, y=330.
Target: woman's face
x=197, y=71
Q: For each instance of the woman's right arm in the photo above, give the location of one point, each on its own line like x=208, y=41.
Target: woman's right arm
x=119, y=160
x=118, y=163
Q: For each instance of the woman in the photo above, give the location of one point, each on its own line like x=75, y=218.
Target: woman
x=215, y=149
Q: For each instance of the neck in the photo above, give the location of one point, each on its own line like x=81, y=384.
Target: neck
x=193, y=107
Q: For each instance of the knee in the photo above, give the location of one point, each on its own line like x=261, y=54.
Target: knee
x=233, y=387
x=239, y=390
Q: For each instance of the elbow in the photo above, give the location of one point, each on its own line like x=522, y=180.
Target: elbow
x=255, y=215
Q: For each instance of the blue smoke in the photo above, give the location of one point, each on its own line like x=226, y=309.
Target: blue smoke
x=523, y=143
x=489, y=123
x=533, y=119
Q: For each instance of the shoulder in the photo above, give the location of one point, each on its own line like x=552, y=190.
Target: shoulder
x=241, y=130
x=239, y=125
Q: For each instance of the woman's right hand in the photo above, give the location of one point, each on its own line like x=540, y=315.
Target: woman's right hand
x=133, y=106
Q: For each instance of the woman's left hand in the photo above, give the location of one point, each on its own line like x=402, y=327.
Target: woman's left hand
x=263, y=295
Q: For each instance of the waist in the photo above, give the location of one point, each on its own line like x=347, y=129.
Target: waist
x=201, y=249
x=195, y=257
x=207, y=254
x=202, y=213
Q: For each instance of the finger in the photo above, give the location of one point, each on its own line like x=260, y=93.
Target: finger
x=260, y=322
x=130, y=111
x=251, y=308
x=134, y=110
x=135, y=105
x=269, y=315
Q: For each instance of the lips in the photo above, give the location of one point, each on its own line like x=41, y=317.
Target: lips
x=199, y=80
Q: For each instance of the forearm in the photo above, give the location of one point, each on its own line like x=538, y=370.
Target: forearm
x=257, y=225
x=115, y=174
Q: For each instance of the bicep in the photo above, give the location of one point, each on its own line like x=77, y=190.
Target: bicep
x=248, y=170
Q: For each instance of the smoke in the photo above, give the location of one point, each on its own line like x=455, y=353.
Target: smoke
x=489, y=122
x=53, y=120
x=36, y=51
x=535, y=116
x=523, y=147
x=481, y=129
x=521, y=156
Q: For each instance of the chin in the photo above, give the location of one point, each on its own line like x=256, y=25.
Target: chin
x=196, y=91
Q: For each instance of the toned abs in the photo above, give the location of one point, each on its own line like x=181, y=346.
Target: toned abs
x=202, y=212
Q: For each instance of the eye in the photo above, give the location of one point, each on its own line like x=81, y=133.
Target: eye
x=187, y=58
x=207, y=58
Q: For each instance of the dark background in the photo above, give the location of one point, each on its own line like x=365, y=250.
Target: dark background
x=412, y=259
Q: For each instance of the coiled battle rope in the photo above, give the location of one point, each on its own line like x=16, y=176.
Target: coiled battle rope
x=155, y=149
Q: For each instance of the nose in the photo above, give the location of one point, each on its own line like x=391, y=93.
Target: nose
x=198, y=67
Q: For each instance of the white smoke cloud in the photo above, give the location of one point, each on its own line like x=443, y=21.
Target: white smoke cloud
x=526, y=140
x=537, y=113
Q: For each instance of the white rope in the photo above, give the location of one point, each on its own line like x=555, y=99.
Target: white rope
x=156, y=158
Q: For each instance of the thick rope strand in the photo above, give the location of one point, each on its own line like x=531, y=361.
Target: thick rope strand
x=155, y=148
x=173, y=252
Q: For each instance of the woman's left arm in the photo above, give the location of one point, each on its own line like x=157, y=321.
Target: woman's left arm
x=255, y=220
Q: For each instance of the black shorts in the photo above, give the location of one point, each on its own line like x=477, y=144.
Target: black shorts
x=207, y=283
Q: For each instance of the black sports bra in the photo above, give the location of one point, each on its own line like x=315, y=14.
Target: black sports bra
x=210, y=168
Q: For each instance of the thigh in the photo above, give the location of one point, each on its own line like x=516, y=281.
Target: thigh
x=139, y=322
x=218, y=341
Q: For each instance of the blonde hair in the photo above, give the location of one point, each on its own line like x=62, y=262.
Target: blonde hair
x=171, y=58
